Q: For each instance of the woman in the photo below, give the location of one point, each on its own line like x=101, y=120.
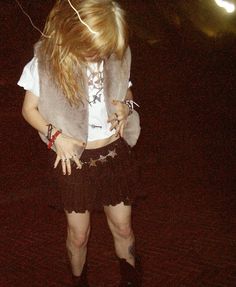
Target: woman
x=78, y=97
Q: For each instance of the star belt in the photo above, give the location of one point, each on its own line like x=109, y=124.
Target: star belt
x=102, y=158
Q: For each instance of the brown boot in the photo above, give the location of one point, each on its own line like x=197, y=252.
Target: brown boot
x=81, y=281
x=130, y=276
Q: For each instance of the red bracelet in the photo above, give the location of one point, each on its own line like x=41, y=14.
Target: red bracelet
x=53, y=138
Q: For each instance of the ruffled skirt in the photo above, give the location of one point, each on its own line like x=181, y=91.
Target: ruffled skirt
x=109, y=176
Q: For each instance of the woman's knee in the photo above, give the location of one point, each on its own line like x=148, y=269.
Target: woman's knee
x=77, y=239
x=78, y=229
x=122, y=230
x=119, y=220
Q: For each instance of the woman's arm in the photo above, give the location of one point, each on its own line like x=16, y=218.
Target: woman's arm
x=31, y=114
x=65, y=146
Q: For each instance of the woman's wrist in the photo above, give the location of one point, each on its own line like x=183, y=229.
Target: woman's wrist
x=130, y=106
x=52, y=135
x=127, y=112
x=50, y=130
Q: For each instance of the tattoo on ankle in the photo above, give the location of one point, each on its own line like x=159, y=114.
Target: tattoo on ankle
x=132, y=250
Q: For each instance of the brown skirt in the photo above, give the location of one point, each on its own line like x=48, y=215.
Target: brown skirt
x=109, y=176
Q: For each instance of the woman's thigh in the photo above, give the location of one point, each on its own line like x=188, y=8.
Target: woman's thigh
x=78, y=223
x=118, y=215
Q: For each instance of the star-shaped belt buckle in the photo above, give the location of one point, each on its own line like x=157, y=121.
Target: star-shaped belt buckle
x=102, y=158
x=112, y=153
x=92, y=162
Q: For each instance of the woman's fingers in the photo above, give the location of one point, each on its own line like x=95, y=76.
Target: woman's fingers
x=114, y=124
x=117, y=128
x=118, y=123
x=68, y=166
x=77, y=162
x=63, y=166
x=57, y=161
x=114, y=117
x=122, y=110
x=65, y=147
x=119, y=116
x=65, y=163
x=115, y=120
x=122, y=128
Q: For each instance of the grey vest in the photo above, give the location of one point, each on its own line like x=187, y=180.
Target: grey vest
x=73, y=121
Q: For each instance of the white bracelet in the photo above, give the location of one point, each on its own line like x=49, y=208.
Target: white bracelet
x=130, y=104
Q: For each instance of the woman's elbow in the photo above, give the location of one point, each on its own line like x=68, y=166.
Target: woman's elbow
x=26, y=113
x=29, y=106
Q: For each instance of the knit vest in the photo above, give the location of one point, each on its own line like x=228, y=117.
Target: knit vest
x=73, y=121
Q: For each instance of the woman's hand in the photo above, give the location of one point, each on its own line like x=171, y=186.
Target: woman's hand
x=119, y=118
x=65, y=146
x=66, y=152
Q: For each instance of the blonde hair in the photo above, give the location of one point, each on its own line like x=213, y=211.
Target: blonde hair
x=71, y=42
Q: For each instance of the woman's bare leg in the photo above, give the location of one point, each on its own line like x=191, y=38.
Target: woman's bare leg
x=119, y=222
x=78, y=230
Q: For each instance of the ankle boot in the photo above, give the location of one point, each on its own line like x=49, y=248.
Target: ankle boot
x=130, y=276
x=81, y=281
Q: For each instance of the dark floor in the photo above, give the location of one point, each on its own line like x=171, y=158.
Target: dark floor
x=185, y=229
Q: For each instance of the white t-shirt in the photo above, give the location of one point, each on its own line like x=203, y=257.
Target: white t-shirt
x=98, y=126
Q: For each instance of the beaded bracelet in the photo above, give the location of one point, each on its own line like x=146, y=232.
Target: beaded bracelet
x=53, y=138
x=130, y=104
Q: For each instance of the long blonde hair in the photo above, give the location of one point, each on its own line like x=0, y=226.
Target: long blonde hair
x=71, y=42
